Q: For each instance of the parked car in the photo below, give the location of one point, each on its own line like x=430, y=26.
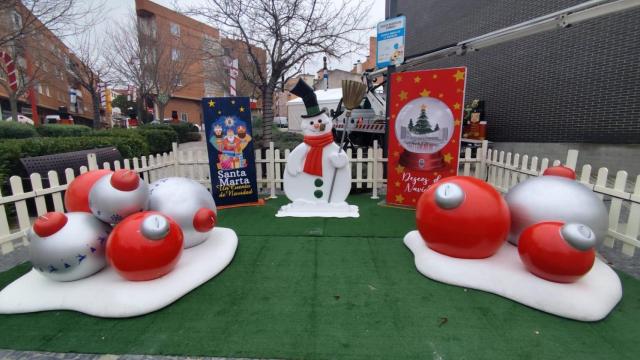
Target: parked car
x=55, y=119
x=22, y=119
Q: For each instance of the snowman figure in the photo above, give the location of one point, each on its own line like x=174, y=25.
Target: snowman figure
x=317, y=176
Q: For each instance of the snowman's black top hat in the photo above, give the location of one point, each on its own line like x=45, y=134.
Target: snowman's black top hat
x=309, y=98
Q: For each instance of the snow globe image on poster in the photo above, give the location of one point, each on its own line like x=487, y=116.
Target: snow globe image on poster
x=423, y=127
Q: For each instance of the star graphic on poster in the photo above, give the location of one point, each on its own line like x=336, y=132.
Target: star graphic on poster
x=456, y=106
x=397, y=184
x=417, y=79
x=403, y=95
x=396, y=153
x=219, y=112
x=457, y=122
x=458, y=90
x=441, y=95
x=435, y=76
x=212, y=103
x=413, y=200
x=241, y=109
x=425, y=93
x=453, y=141
x=399, y=169
x=399, y=198
x=233, y=102
x=447, y=158
x=398, y=78
x=459, y=75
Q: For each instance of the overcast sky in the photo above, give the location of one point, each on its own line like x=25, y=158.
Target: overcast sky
x=118, y=9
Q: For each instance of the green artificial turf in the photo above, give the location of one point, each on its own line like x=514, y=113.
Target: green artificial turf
x=331, y=289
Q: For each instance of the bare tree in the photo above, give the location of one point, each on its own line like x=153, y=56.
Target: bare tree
x=291, y=32
x=30, y=32
x=157, y=63
x=33, y=65
x=24, y=18
x=89, y=68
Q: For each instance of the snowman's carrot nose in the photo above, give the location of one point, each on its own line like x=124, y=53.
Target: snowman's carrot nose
x=49, y=223
x=125, y=180
x=204, y=220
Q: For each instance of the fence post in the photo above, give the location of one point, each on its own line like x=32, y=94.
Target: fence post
x=483, y=159
x=374, y=194
x=271, y=166
x=92, y=161
x=176, y=162
x=572, y=159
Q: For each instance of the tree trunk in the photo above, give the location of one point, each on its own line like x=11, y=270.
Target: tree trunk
x=13, y=101
x=161, y=111
x=267, y=115
x=95, y=97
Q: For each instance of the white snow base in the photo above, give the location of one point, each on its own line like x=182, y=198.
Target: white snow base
x=589, y=299
x=106, y=294
x=304, y=208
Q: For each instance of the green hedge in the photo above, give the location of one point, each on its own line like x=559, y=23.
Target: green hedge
x=117, y=132
x=57, y=130
x=11, y=151
x=183, y=130
x=159, y=140
x=15, y=130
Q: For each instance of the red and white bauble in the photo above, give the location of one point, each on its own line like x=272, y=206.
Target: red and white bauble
x=187, y=202
x=145, y=246
x=76, y=198
x=555, y=198
x=463, y=217
x=67, y=247
x=557, y=251
x=118, y=195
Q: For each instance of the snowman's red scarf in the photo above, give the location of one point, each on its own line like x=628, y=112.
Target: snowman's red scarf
x=313, y=162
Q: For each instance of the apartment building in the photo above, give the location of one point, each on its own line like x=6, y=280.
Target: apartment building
x=207, y=53
x=43, y=68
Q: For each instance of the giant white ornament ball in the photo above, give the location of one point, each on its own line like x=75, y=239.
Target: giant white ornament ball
x=118, y=195
x=67, y=247
x=555, y=198
x=187, y=202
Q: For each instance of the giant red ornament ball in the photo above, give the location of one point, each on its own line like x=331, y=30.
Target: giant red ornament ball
x=76, y=198
x=138, y=257
x=463, y=217
x=546, y=254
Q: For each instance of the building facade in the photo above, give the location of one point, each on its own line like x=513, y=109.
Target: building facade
x=43, y=69
x=574, y=85
x=578, y=85
x=205, y=53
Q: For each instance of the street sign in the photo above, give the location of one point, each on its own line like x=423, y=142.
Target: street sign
x=390, y=39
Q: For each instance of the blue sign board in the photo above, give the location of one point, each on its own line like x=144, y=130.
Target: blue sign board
x=390, y=42
x=227, y=122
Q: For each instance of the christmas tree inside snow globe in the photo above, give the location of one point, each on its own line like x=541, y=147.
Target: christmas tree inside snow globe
x=424, y=126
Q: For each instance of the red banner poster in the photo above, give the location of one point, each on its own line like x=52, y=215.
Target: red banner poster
x=424, y=131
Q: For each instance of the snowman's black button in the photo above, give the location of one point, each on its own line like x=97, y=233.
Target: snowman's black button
x=317, y=193
x=318, y=182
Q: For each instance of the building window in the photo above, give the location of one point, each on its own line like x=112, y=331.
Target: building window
x=17, y=20
x=184, y=117
x=46, y=91
x=175, y=29
x=40, y=89
x=175, y=54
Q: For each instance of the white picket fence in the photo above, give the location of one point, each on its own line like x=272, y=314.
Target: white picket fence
x=500, y=169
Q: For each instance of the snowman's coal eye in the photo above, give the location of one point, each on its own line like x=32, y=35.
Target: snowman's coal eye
x=310, y=122
x=319, y=121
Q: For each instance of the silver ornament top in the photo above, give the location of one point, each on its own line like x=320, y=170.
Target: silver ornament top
x=449, y=195
x=154, y=227
x=579, y=236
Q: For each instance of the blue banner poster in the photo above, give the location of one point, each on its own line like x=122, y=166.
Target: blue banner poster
x=227, y=122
